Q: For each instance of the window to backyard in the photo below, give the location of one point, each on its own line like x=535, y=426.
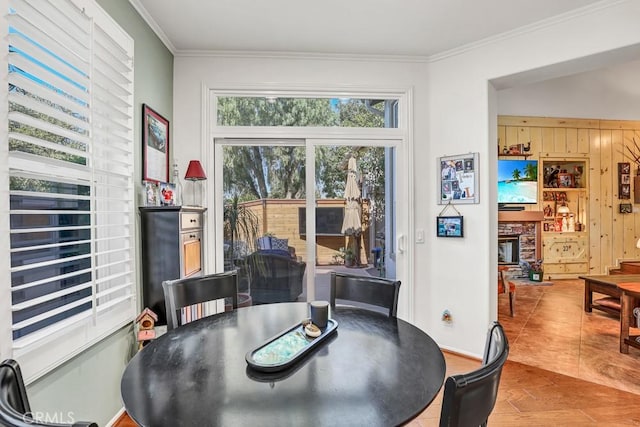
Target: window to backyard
x=70, y=179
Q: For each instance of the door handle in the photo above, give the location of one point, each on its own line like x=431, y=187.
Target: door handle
x=401, y=243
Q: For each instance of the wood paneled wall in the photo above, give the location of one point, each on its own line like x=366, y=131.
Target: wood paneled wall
x=612, y=235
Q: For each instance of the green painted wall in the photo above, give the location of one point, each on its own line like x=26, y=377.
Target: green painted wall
x=89, y=385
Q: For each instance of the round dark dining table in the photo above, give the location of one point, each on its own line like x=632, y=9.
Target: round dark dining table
x=374, y=371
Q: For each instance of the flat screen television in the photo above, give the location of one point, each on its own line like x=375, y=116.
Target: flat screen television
x=517, y=182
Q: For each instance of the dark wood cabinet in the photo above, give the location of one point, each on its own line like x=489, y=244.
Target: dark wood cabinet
x=171, y=249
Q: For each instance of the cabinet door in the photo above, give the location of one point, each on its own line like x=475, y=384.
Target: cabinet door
x=192, y=257
x=565, y=249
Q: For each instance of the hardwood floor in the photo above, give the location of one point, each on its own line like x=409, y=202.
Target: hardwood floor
x=564, y=367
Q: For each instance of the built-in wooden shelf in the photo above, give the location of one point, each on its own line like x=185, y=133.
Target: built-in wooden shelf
x=514, y=155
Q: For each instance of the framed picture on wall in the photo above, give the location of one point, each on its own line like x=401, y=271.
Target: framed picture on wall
x=624, y=181
x=458, y=178
x=626, y=208
x=155, y=143
x=450, y=226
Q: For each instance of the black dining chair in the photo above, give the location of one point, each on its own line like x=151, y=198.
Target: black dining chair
x=469, y=398
x=182, y=293
x=369, y=290
x=15, y=410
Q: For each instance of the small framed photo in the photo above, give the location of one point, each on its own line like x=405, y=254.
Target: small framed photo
x=624, y=168
x=625, y=191
x=626, y=208
x=565, y=180
x=151, y=194
x=450, y=226
x=167, y=194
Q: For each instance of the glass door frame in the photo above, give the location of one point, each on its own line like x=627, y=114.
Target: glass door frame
x=400, y=138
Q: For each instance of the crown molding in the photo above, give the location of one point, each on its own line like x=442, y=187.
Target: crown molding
x=153, y=24
x=300, y=55
x=525, y=29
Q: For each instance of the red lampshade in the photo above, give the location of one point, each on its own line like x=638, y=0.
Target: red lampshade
x=195, y=171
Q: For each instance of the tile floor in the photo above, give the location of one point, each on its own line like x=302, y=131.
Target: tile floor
x=552, y=331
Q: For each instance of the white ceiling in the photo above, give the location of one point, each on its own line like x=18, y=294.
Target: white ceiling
x=418, y=28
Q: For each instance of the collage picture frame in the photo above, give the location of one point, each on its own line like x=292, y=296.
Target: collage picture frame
x=458, y=179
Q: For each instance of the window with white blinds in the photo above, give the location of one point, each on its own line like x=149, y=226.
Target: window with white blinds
x=70, y=93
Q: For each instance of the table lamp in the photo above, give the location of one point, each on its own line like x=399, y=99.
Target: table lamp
x=194, y=173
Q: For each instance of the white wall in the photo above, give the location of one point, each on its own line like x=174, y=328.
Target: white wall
x=610, y=93
x=462, y=119
x=454, y=112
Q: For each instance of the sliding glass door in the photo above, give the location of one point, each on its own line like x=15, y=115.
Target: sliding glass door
x=267, y=209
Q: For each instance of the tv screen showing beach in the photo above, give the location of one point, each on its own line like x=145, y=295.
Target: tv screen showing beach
x=517, y=181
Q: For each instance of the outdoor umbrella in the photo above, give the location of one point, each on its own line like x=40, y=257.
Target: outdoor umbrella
x=352, y=225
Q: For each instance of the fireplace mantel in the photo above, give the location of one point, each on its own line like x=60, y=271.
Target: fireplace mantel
x=520, y=216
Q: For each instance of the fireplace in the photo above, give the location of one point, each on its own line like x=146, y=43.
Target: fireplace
x=508, y=250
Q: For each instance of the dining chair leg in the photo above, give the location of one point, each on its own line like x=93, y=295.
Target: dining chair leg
x=512, y=299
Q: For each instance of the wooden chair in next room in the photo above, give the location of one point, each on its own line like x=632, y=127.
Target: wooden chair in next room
x=502, y=288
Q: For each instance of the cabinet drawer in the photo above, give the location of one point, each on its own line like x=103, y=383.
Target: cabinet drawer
x=190, y=220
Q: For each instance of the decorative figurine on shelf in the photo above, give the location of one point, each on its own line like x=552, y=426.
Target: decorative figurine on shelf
x=178, y=184
x=571, y=223
x=577, y=174
x=146, y=322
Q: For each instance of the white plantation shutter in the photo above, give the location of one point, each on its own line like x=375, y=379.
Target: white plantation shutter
x=71, y=178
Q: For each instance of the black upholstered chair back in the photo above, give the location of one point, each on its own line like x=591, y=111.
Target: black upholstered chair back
x=274, y=278
x=186, y=292
x=369, y=290
x=13, y=395
x=469, y=398
x=494, y=344
x=14, y=404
